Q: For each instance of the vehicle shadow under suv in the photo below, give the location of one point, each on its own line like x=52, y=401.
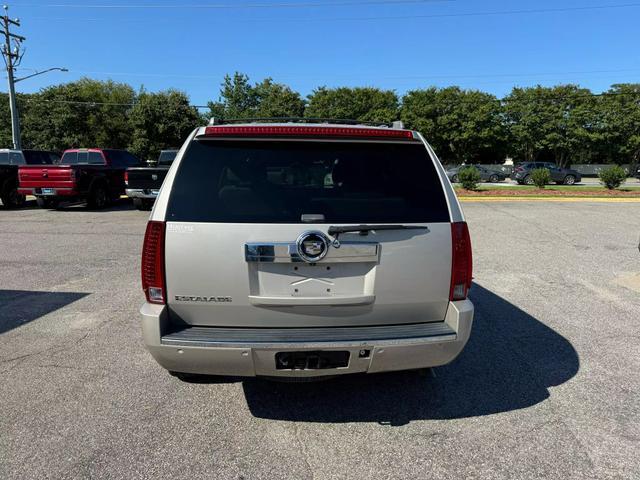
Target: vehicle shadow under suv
x=510, y=362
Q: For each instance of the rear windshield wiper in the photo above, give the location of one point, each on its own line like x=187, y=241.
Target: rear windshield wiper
x=364, y=229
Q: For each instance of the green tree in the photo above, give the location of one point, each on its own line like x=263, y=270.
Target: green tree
x=98, y=119
x=240, y=99
x=160, y=120
x=461, y=125
x=6, y=137
x=620, y=124
x=559, y=121
x=364, y=104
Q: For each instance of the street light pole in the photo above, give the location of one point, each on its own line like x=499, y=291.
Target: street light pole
x=12, y=57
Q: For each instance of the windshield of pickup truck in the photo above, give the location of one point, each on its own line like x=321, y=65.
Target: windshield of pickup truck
x=279, y=181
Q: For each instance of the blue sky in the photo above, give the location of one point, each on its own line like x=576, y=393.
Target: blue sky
x=401, y=46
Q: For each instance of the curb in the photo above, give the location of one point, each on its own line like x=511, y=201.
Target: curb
x=552, y=199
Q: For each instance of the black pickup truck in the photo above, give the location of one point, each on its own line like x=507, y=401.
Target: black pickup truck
x=10, y=160
x=143, y=183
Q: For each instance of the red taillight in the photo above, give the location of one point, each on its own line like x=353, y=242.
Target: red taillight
x=153, y=263
x=301, y=131
x=461, y=261
x=126, y=178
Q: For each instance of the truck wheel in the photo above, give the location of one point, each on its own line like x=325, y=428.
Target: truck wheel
x=12, y=199
x=47, y=202
x=97, y=197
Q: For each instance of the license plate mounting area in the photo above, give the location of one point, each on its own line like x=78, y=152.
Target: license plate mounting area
x=312, y=360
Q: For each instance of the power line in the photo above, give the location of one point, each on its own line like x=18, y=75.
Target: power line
x=361, y=18
x=234, y=6
x=384, y=77
x=502, y=100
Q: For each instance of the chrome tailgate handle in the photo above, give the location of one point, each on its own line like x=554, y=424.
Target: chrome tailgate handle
x=287, y=252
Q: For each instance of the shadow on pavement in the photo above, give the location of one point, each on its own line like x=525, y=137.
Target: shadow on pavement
x=117, y=206
x=509, y=363
x=18, y=307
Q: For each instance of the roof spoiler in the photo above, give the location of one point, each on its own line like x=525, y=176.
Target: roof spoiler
x=397, y=124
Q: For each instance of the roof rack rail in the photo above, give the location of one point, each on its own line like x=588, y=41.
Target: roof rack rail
x=343, y=121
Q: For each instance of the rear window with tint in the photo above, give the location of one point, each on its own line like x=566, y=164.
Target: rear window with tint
x=279, y=181
x=122, y=159
x=69, y=158
x=167, y=156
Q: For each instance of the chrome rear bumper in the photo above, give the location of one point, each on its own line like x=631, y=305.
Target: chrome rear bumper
x=251, y=351
x=140, y=193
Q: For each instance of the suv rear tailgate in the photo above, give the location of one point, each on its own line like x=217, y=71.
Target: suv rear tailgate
x=231, y=196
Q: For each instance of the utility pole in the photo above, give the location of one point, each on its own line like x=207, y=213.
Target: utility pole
x=12, y=57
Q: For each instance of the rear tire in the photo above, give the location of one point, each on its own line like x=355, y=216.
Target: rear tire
x=494, y=179
x=97, y=197
x=137, y=202
x=455, y=179
x=143, y=204
x=569, y=180
x=528, y=180
x=12, y=199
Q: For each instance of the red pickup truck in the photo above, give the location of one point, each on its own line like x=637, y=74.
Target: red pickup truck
x=95, y=175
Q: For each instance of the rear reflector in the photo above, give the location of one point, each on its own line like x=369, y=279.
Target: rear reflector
x=461, y=261
x=153, y=263
x=306, y=131
x=126, y=178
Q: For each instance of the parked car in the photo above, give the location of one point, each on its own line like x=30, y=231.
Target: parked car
x=143, y=183
x=305, y=250
x=94, y=175
x=566, y=176
x=10, y=160
x=486, y=175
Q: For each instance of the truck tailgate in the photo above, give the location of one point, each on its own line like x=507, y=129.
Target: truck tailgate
x=46, y=176
x=146, y=178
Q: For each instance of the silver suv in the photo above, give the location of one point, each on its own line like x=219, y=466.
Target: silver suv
x=302, y=250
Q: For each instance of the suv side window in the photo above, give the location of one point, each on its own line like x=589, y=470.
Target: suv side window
x=4, y=158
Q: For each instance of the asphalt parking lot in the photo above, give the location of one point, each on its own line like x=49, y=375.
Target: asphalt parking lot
x=546, y=388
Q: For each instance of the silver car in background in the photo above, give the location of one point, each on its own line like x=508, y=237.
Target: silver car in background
x=305, y=250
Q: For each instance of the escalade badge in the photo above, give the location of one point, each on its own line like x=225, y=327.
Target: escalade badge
x=312, y=246
x=198, y=298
